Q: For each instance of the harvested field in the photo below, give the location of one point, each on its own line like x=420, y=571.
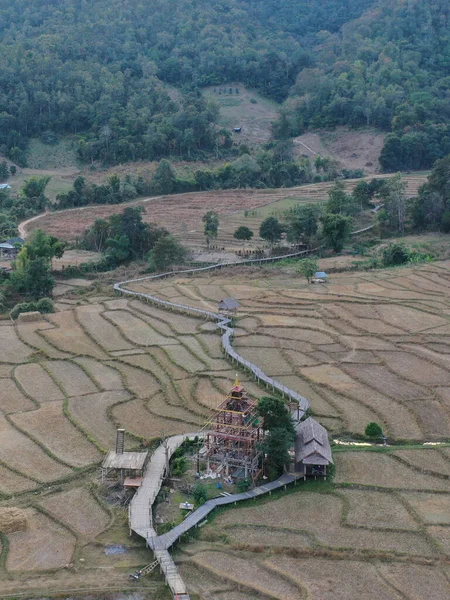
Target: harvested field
x=136, y=330
x=136, y=419
x=442, y=535
x=433, y=418
x=329, y=532
x=106, y=335
x=159, y=406
x=91, y=413
x=248, y=573
x=43, y=545
x=148, y=363
x=377, y=510
x=415, y=369
x=416, y=581
x=138, y=382
x=433, y=509
x=207, y=394
x=198, y=351
x=183, y=358
x=381, y=378
x=31, y=460
x=381, y=470
x=252, y=535
x=15, y=351
x=211, y=344
x=37, y=383
x=11, y=398
x=105, y=377
x=12, y=483
x=160, y=373
x=79, y=510
x=334, y=580
x=29, y=334
x=69, y=337
x=426, y=460
x=51, y=427
x=5, y=371
x=71, y=378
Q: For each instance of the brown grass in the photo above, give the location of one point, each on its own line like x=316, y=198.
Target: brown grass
x=285, y=512
x=69, y=337
x=72, y=378
x=91, y=412
x=107, y=336
x=416, y=581
x=78, y=509
x=51, y=427
x=44, y=545
x=106, y=377
x=247, y=573
x=37, y=383
x=13, y=350
x=12, y=399
x=30, y=460
x=381, y=470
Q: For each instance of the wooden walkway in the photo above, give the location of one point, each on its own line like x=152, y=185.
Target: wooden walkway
x=140, y=510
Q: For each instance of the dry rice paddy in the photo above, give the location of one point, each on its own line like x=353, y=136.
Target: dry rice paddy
x=365, y=347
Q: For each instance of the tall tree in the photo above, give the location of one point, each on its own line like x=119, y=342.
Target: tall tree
x=336, y=230
x=393, y=195
x=307, y=267
x=211, y=228
x=271, y=230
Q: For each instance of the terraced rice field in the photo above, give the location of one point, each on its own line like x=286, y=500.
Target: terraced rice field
x=367, y=346
x=66, y=384
x=189, y=209
x=369, y=343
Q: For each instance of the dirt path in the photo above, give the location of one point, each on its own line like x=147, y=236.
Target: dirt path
x=22, y=227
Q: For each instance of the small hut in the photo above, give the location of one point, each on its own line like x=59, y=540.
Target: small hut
x=312, y=449
x=130, y=465
x=228, y=305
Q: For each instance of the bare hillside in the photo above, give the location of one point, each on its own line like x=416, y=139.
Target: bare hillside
x=352, y=149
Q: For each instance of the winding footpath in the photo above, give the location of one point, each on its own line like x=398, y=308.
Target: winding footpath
x=140, y=509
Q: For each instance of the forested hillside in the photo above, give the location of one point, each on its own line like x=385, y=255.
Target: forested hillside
x=390, y=69
x=97, y=70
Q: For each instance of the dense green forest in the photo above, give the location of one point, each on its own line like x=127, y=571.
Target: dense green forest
x=97, y=70
x=388, y=69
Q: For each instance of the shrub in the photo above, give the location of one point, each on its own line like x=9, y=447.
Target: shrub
x=243, y=485
x=44, y=305
x=200, y=493
x=179, y=466
x=395, y=254
x=373, y=430
x=22, y=308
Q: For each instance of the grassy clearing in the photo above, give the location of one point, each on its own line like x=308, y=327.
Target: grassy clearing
x=246, y=109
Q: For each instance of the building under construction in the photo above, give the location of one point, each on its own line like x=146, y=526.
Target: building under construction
x=231, y=445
